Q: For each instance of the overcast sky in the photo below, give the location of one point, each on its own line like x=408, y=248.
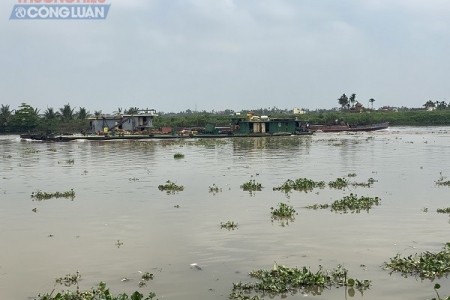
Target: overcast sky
x=174, y=55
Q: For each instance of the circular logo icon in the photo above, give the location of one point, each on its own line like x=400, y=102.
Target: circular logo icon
x=21, y=12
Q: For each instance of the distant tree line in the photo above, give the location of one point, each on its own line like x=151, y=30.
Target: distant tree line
x=26, y=118
x=348, y=102
x=440, y=105
x=68, y=119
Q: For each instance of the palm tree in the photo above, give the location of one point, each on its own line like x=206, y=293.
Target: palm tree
x=352, y=99
x=67, y=113
x=36, y=112
x=441, y=105
x=50, y=114
x=5, y=115
x=97, y=114
x=118, y=111
x=371, y=100
x=132, y=111
x=82, y=113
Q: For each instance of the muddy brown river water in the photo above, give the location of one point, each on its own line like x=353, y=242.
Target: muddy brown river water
x=117, y=199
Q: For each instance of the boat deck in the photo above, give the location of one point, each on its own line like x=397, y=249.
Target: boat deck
x=68, y=138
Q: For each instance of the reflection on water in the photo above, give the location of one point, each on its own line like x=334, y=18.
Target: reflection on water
x=117, y=198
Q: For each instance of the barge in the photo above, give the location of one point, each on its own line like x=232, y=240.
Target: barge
x=249, y=127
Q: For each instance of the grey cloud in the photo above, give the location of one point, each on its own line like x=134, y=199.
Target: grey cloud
x=171, y=55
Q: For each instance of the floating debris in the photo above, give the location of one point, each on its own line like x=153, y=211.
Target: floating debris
x=195, y=265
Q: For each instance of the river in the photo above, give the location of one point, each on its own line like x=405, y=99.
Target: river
x=120, y=224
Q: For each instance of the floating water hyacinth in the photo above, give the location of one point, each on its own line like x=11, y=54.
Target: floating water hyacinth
x=349, y=203
x=282, y=279
x=170, y=187
x=40, y=195
x=426, y=265
x=230, y=225
x=251, y=186
x=300, y=184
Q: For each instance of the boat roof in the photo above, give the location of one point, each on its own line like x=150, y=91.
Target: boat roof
x=121, y=116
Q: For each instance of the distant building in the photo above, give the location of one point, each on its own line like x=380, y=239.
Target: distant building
x=299, y=111
x=141, y=121
x=358, y=108
x=388, y=108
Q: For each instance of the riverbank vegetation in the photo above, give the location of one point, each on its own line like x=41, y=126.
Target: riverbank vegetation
x=68, y=119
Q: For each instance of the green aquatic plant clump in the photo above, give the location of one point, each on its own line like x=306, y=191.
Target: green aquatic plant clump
x=300, y=184
x=145, y=278
x=369, y=182
x=69, y=279
x=214, y=189
x=170, y=187
x=99, y=292
x=339, y=183
x=30, y=151
x=442, y=182
x=251, y=186
x=443, y=210
x=40, y=195
x=230, y=225
x=354, y=204
x=178, y=155
x=349, y=203
x=426, y=265
x=318, y=206
x=283, y=211
x=282, y=279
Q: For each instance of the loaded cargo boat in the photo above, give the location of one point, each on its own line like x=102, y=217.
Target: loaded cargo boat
x=348, y=127
x=140, y=126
